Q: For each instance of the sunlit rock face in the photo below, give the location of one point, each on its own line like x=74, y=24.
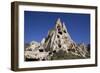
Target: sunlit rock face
x=57, y=39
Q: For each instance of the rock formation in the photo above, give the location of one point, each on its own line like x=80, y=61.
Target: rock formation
x=57, y=39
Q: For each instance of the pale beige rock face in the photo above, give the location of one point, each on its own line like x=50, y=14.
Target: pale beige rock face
x=57, y=39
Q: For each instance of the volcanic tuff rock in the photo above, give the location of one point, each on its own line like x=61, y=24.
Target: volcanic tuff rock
x=57, y=39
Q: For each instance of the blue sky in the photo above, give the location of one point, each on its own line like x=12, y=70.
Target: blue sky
x=37, y=25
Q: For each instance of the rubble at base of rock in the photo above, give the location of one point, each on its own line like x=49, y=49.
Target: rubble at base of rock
x=57, y=40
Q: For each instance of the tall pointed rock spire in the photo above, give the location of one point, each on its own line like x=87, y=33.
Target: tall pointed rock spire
x=58, y=23
x=66, y=31
x=64, y=27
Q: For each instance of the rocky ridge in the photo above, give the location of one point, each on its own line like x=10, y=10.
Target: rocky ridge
x=57, y=40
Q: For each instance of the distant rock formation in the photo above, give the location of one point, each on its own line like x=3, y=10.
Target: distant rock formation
x=57, y=39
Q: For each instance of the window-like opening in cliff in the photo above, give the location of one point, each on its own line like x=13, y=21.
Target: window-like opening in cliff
x=40, y=50
x=54, y=51
x=69, y=49
x=58, y=36
x=64, y=31
x=59, y=45
x=50, y=53
x=43, y=59
x=58, y=27
x=60, y=32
